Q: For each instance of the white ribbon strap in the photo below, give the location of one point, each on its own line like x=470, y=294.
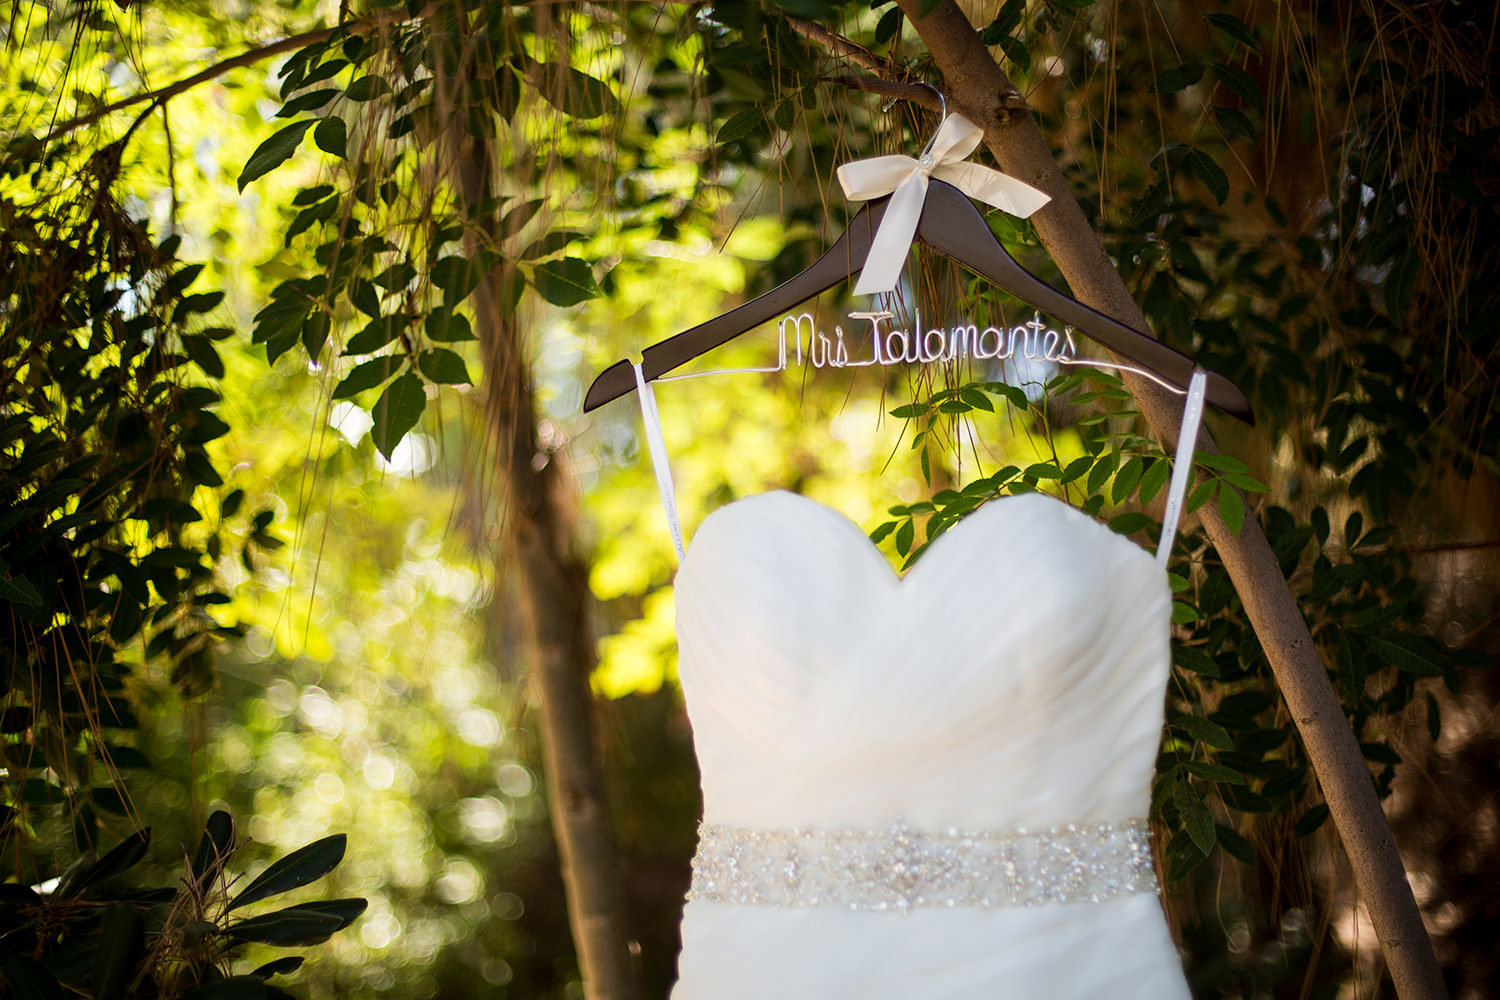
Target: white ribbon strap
x=658, y=449
x=905, y=180
x=1182, y=465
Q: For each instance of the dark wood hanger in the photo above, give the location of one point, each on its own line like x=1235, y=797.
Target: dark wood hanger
x=951, y=225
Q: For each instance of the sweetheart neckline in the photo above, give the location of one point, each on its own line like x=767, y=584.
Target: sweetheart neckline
x=896, y=576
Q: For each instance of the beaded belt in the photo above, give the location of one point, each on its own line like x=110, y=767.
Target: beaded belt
x=898, y=868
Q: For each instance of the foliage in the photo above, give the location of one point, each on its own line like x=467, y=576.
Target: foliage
x=88, y=932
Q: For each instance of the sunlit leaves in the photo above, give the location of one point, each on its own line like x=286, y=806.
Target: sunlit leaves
x=565, y=282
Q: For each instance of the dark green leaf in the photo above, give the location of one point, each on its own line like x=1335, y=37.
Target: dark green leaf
x=1234, y=122
x=443, y=367
x=550, y=243
x=1210, y=173
x=1405, y=654
x=1234, y=28
x=202, y=302
x=1177, y=78
x=122, y=939
x=295, y=926
x=909, y=410
x=1199, y=823
x=457, y=277
x=1204, y=731
x=367, y=88
x=368, y=375
x=280, y=967
x=28, y=979
x=1401, y=282
x=1129, y=523
x=445, y=326
x=1215, y=772
x=274, y=151
x=376, y=334
x=1199, y=662
x=577, y=94
x=320, y=857
x=904, y=537
x=310, y=101
x=19, y=590
x=233, y=988
x=215, y=844
x=1310, y=821
x=397, y=412
x=1241, y=84
x=331, y=136
x=1125, y=482
x=1235, y=845
x=124, y=856
x=565, y=282
x=365, y=298
x=1077, y=468
x=740, y=125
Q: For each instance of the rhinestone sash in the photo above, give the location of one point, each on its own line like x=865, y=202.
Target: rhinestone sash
x=897, y=869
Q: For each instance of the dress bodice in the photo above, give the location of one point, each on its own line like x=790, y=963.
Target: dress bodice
x=1012, y=678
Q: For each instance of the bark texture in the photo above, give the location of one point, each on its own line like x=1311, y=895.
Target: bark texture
x=539, y=555
x=978, y=88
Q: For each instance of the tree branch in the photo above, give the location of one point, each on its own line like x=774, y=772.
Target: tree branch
x=857, y=54
x=978, y=85
x=918, y=93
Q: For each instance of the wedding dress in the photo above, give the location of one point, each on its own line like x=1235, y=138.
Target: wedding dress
x=923, y=786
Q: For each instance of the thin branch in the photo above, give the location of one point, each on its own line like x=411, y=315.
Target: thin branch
x=918, y=93
x=857, y=54
x=171, y=90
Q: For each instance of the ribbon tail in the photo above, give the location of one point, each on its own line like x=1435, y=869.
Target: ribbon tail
x=888, y=250
x=993, y=188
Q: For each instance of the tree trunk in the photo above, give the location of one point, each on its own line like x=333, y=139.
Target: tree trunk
x=981, y=90
x=538, y=549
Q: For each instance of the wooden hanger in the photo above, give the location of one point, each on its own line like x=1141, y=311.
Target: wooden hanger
x=951, y=225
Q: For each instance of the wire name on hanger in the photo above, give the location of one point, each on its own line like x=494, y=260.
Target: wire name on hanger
x=1033, y=340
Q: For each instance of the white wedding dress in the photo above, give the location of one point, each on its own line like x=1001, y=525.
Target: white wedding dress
x=929, y=786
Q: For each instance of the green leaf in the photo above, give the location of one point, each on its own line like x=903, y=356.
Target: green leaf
x=1077, y=468
x=909, y=410
x=904, y=537
x=310, y=101
x=1198, y=820
x=1234, y=122
x=1153, y=479
x=565, y=282
x=1102, y=470
x=1199, y=662
x=125, y=855
x=1177, y=78
x=201, y=302
x=397, y=412
x=1204, y=731
x=1405, y=654
x=1126, y=480
x=1310, y=820
x=1241, y=84
x=365, y=298
x=443, y=367
x=19, y=590
x=232, y=988
x=316, y=859
x=740, y=125
x=1231, y=507
x=458, y=277
x=367, y=88
x=1236, y=846
x=1215, y=772
x=274, y=151
x=331, y=136
x=1129, y=523
x=576, y=93
x=214, y=846
x=280, y=967
x=121, y=943
x=376, y=334
x=445, y=326
x=550, y=243
x=28, y=979
x=1234, y=28
x=303, y=924
x=369, y=375
x=1210, y=173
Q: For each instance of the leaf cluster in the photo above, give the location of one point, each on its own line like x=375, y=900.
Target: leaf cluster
x=90, y=933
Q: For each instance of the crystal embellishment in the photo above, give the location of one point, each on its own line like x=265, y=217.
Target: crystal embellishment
x=898, y=868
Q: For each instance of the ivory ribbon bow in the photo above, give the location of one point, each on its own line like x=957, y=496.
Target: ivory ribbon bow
x=864, y=180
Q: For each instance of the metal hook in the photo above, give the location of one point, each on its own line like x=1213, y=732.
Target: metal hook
x=942, y=98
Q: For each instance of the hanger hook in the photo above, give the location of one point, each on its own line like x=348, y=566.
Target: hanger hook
x=942, y=98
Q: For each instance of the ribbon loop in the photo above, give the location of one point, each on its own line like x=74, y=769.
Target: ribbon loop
x=905, y=180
